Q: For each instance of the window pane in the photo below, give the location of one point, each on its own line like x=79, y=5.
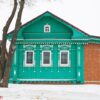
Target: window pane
x=29, y=59
x=46, y=57
x=46, y=29
x=64, y=57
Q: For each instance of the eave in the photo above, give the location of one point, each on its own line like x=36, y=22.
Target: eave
x=58, y=41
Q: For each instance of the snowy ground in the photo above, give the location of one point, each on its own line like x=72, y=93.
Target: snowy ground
x=50, y=92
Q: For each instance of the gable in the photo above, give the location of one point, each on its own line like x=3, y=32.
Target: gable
x=36, y=29
x=59, y=29
x=38, y=26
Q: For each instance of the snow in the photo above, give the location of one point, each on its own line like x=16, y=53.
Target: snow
x=50, y=92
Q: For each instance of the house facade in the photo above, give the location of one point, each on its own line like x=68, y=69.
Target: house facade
x=49, y=49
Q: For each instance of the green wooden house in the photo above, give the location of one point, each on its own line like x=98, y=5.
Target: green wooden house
x=49, y=49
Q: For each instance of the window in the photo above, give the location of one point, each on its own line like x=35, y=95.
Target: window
x=29, y=58
x=47, y=28
x=46, y=58
x=64, y=58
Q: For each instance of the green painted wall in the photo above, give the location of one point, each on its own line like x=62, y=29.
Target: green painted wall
x=63, y=36
x=37, y=72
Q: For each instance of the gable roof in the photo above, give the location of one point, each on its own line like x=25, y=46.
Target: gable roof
x=47, y=12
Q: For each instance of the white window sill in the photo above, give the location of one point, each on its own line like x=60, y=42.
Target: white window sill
x=29, y=65
x=64, y=65
x=46, y=65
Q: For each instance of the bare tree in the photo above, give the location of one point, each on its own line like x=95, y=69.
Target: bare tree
x=4, y=74
x=4, y=38
x=5, y=31
x=12, y=45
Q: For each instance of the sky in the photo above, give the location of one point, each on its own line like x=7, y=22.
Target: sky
x=84, y=14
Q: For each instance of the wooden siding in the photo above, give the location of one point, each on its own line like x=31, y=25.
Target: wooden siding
x=92, y=63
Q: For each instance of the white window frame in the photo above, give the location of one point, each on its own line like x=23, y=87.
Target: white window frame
x=26, y=64
x=46, y=65
x=64, y=65
x=48, y=27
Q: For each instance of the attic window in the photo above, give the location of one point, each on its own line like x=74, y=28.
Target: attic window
x=47, y=28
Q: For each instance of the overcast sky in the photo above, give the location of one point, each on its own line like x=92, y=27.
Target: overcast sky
x=84, y=14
